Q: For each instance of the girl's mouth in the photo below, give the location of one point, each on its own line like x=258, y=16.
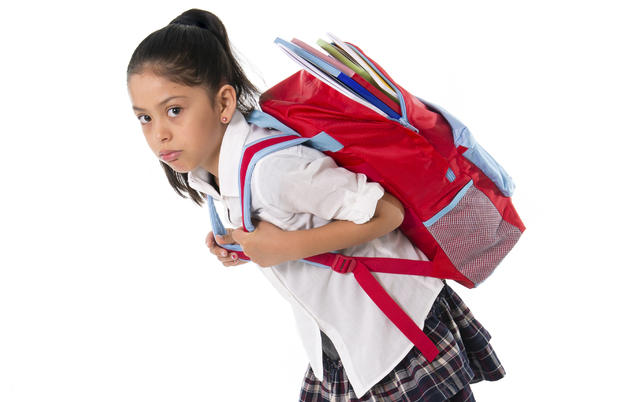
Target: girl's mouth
x=170, y=156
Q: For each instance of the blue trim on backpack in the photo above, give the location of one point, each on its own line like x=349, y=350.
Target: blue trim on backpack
x=316, y=264
x=475, y=153
x=265, y=120
x=262, y=139
x=247, y=204
x=450, y=206
x=216, y=223
x=310, y=57
x=218, y=228
x=325, y=142
x=450, y=175
x=321, y=141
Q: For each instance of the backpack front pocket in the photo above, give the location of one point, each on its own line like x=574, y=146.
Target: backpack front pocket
x=472, y=233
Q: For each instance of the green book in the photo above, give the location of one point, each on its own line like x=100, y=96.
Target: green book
x=346, y=61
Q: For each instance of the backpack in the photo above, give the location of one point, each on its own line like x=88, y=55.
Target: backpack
x=456, y=197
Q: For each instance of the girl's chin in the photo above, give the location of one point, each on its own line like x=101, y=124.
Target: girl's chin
x=177, y=167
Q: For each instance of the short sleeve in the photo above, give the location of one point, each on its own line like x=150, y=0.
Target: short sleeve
x=301, y=179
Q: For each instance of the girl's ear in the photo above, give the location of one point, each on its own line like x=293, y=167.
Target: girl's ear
x=226, y=102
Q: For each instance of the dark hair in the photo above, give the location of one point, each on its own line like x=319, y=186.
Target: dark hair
x=193, y=49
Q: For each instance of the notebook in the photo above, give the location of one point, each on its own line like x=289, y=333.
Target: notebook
x=391, y=102
x=338, y=75
x=327, y=79
x=362, y=63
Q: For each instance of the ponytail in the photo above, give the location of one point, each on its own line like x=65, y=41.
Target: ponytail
x=194, y=50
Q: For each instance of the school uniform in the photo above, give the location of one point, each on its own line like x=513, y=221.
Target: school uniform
x=341, y=328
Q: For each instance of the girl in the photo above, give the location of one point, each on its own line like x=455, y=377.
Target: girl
x=192, y=99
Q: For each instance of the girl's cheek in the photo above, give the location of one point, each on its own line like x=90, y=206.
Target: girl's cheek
x=149, y=139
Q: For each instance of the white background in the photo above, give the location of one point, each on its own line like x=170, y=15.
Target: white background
x=107, y=291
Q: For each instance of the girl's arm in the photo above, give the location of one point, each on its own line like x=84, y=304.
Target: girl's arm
x=269, y=245
x=336, y=235
x=308, y=181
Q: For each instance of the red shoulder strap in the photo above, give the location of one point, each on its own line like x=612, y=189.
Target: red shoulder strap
x=362, y=266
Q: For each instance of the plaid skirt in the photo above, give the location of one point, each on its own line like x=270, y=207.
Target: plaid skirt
x=465, y=357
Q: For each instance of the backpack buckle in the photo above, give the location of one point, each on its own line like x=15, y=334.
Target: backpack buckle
x=344, y=264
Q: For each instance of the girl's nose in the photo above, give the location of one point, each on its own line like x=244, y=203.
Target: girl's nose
x=162, y=133
x=162, y=136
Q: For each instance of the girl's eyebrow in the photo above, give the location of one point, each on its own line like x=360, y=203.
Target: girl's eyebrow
x=160, y=103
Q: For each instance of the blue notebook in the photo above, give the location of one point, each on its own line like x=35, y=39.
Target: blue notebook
x=340, y=76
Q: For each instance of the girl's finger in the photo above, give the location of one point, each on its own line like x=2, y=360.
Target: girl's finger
x=226, y=238
x=234, y=263
x=209, y=240
x=228, y=262
x=218, y=251
x=231, y=258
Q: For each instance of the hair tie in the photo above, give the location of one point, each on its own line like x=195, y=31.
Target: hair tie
x=185, y=20
x=189, y=21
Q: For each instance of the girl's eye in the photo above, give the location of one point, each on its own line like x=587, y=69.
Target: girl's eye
x=176, y=109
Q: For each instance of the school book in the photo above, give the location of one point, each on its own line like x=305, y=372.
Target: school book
x=346, y=61
x=324, y=77
x=325, y=57
x=362, y=63
x=335, y=51
x=340, y=76
x=389, y=101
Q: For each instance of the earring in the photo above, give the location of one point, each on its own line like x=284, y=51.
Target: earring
x=224, y=119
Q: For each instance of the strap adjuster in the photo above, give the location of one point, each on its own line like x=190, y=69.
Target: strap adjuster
x=344, y=264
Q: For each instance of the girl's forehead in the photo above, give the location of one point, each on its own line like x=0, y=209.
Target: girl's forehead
x=148, y=89
x=154, y=82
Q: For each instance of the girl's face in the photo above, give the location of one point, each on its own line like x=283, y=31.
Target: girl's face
x=181, y=119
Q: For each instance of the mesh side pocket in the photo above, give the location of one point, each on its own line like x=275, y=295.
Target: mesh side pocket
x=474, y=236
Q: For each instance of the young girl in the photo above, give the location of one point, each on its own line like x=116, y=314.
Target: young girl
x=192, y=99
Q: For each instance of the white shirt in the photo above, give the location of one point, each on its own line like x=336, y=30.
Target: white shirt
x=300, y=188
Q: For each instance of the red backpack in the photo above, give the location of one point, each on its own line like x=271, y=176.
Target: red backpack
x=456, y=196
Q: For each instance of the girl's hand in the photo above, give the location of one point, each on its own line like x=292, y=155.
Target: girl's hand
x=266, y=246
x=228, y=258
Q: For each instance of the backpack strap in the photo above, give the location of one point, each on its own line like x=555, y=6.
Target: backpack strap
x=321, y=141
x=361, y=266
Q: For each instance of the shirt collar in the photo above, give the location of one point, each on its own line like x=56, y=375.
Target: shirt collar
x=228, y=165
